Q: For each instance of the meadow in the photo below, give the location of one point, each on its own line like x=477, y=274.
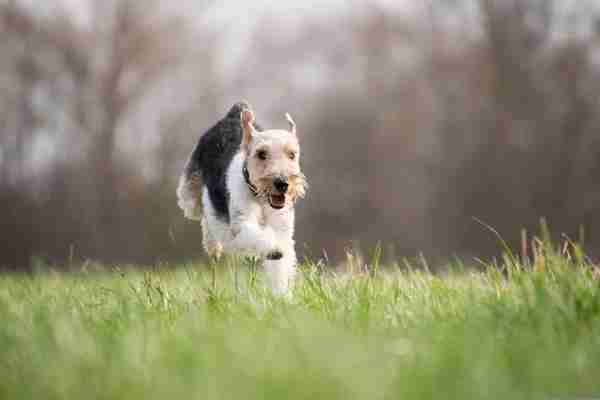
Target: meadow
x=514, y=329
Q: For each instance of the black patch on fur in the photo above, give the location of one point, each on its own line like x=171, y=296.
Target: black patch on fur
x=213, y=154
x=275, y=255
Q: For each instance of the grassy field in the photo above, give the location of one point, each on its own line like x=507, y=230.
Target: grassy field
x=512, y=332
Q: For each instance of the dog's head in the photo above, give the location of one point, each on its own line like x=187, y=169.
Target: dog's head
x=273, y=162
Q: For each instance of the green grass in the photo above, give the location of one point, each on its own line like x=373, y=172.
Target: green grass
x=510, y=332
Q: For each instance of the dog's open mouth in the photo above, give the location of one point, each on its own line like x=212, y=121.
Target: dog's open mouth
x=277, y=200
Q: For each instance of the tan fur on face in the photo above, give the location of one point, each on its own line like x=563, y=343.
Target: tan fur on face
x=282, y=152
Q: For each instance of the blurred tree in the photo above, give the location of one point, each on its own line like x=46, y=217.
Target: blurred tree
x=412, y=123
x=69, y=89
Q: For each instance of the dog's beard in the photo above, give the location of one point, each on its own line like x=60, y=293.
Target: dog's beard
x=296, y=190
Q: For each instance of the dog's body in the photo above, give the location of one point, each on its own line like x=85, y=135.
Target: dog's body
x=242, y=182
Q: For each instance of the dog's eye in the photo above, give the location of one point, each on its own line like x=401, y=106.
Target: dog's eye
x=292, y=155
x=261, y=154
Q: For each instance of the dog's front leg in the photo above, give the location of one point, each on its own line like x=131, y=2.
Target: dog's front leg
x=280, y=272
x=250, y=237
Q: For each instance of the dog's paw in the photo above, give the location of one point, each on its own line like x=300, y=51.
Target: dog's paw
x=275, y=255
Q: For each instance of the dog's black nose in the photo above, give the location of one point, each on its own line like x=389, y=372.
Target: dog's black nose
x=281, y=184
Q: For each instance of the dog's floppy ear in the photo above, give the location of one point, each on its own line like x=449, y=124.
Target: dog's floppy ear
x=247, y=118
x=291, y=122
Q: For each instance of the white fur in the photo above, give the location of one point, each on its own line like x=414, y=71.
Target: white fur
x=255, y=228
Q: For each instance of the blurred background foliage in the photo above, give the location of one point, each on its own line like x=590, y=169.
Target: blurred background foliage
x=414, y=118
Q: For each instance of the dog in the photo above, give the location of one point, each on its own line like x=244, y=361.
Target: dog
x=242, y=183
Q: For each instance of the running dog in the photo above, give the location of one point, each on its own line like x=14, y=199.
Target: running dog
x=242, y=183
